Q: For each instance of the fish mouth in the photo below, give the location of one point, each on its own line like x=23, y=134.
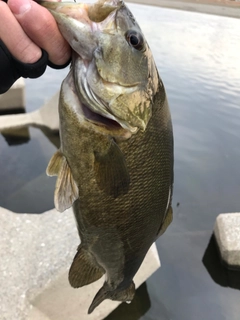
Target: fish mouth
x=78, y=22
x=100, y=123
x=99, y=120
x=96, y=109
x=105, y=119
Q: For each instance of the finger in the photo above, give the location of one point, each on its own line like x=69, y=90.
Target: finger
x=40, y=26
x=17, y=42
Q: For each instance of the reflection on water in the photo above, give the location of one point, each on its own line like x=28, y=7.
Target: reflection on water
x=216, y=268
x=24, y=185
x=198, y=59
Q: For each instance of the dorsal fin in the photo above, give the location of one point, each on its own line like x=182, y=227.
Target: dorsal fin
x=66, y=191
x=111, y=171
x=83, y=270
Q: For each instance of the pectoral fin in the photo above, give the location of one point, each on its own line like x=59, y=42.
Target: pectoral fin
x=83, y=271
x=111, y=171
x=55, y=164
x=66, y=191
x=167, y=221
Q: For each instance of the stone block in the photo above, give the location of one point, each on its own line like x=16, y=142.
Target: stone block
x=36, y=252
x=14, y=98
x=227, y=234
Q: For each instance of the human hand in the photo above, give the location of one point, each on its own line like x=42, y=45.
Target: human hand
x=26, y=27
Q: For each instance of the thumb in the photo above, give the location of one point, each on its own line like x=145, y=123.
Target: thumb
x=15, y=39
x=40, y=26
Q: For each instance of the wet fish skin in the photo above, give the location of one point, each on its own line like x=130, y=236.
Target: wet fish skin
x=120, y=185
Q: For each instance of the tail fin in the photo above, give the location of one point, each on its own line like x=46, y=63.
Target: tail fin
x=83, y=269
x=124, y=295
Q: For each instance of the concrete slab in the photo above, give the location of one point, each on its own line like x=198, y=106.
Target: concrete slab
x=227, y=234
x=36, y=252
x=46, y=116
x=14, y=98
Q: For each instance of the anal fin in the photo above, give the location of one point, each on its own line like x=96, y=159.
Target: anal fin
x=111, y=171
x=66, y=191
x=83, y=270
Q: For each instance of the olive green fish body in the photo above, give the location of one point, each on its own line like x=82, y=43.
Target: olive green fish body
x=115, y=164
x=117, y=232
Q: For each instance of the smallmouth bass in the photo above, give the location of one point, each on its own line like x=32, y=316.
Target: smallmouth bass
x=115, y=164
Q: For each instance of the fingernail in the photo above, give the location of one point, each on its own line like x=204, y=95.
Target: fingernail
x=19, y=6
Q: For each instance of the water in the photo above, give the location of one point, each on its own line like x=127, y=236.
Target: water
x=198, y=59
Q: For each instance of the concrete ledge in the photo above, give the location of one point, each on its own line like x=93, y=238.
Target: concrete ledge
x=227, y=234
x=14, y=98
x=221, y=8
x=46, y=116
x=36, y=252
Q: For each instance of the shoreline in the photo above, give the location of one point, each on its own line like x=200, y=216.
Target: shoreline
x=217, y=7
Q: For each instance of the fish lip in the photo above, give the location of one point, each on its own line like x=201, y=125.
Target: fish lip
x=91, y=100
x=107, y=114
x=108, y=117
x=105, y=125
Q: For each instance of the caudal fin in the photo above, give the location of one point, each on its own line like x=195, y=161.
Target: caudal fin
x=83, y=270
x=117, y=295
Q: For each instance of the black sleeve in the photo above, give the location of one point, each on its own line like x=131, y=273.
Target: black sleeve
x=11, y=69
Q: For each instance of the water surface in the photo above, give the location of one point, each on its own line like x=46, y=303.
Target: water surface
x=198, y=59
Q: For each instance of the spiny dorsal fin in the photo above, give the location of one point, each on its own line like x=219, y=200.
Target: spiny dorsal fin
x=111, y=171
x=55, y=164
x=83, y=271
x=66, y=191
x=167, y=221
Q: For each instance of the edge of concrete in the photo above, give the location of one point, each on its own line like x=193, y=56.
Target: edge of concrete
x=222, y=8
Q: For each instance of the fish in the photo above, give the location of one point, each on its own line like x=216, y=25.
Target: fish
x=115, y=162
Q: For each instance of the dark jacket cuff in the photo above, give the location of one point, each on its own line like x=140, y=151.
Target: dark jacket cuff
x=56, y=66
x=11, y=69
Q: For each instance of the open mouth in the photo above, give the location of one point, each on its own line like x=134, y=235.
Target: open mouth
x=94, y=108
x=99, y=120
x=85, y=112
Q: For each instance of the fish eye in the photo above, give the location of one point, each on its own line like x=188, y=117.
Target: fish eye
x=135, y=39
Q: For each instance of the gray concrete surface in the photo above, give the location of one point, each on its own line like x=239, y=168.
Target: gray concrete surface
x=15, y=97
x=227, y=234
x=36, y=252
x=46, y=116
